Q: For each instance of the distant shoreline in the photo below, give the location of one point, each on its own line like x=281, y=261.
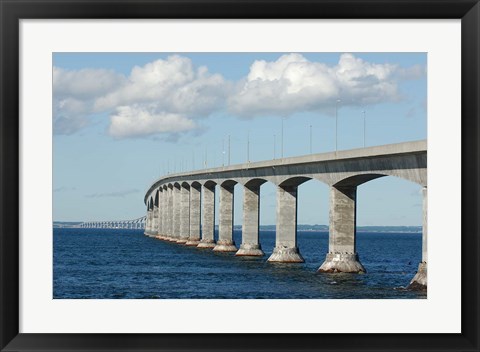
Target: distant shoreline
x=300, y=227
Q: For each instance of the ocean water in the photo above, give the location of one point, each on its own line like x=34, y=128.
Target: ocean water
x=121, y=263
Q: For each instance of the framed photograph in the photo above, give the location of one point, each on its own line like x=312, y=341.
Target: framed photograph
x=203, y=175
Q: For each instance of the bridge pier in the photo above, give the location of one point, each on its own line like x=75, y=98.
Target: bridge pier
x=148, y=226
x=194, y=238
x=286, y=250
x=165, y=213
x=155, y=216
x=161, y=215
x=184, y=214
x=176, y=213
x=251, y=218
x=342, y=255
x=225, y=241
x=169, y=213
x=419, y=281
x=160, y=210
x=208, y=217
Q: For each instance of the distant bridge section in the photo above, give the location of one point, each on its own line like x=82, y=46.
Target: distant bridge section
x=116, y=224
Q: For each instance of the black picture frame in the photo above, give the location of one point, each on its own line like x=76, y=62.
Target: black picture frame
x=12, y=11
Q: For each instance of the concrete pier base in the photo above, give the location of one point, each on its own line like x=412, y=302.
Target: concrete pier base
x=342, y=263
x=419, y=281
x=286, y=255
x=208, y=217
x=206, y=243
x=192, y=242
x=286, y=250
x=250, y=249
x=225, y=246
x=251, y=219
x=194, y=238
x=182, y=240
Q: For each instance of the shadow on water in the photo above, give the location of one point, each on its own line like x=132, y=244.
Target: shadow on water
x=104, y=263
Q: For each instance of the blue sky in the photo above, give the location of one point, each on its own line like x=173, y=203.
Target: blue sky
x=121, y=120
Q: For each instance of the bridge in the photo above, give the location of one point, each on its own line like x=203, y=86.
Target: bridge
x=181, y=207
x=116, y=224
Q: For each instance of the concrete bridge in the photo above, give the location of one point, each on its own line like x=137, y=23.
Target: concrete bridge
x=181, y=207
x=115, y=224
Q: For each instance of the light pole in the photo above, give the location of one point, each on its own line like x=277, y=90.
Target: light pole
x=364, y=127
x=228, y=150
x=248, y=147
x=205, y=157
x=223, y=152
x=310, y=139
x=336, y=124
x=282, y=137
x=274, y=147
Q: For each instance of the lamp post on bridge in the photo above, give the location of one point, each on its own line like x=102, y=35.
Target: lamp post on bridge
x=248, y=146
x=310, y=139
x=364, y=128
x=274, y=147
x=336, y=123
x=228, y=150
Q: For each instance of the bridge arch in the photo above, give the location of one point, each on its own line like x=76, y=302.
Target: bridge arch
x=294, y=181
x=357, y=180
x=255, y=182
x=418, y=176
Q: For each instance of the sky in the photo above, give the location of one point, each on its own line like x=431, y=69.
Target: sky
x=122, y=120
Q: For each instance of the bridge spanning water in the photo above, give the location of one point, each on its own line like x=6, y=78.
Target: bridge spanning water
x=116, y=224
x=181, y=207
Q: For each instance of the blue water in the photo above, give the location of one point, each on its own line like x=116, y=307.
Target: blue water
x=107, y=263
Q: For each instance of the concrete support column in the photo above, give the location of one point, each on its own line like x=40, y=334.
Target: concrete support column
x=148, y=227
x=161, y=215
x=225, y=241
x=208, y=217
x=286, y=250
x=342, y=255
x=160, y=211
x=184, y=213
x=176, y=212
x=154, y=222
x=165, y=213
x=194, y=238
x=170, y=212
x=419, y=281
x=251, y=219
x=146, y=224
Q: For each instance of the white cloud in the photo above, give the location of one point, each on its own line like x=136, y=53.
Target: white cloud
x=74, y=93
x=173, y=85
x=170, y=91
x=293, y=84
x=84, y=84
x=135, y=121
x=166, y=96
x=69, y=115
